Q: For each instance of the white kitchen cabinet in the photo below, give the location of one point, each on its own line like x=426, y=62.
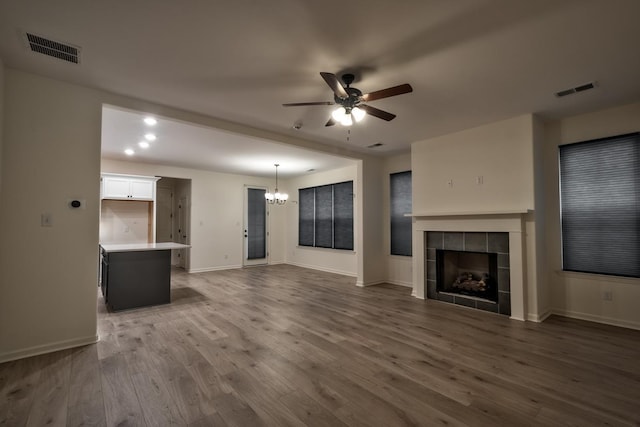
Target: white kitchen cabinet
x=128, y=187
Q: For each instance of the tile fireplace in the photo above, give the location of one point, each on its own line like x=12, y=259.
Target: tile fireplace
x=476, y=260
x=470, y=269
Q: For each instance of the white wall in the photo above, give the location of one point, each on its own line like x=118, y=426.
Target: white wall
x=216, y=213
x=539, y=300
x=399, y=268
x=504, y=154
x=1, y=116
x=48, y=275
x=501, y=153
x=576, y=294
x=336, y=261
x=372, y=268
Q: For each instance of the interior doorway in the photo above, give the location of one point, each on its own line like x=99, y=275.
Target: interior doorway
x=172, y=216
x=164, y=213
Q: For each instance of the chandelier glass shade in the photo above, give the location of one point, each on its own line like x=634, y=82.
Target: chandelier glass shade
x=276, y=197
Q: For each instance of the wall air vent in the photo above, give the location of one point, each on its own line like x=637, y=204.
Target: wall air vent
x=377, y=144
x=576, y=89
x=59, y=50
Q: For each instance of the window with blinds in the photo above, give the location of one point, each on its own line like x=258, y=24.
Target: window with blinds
x=600, y=205
x=325, y=216
x=400, y=201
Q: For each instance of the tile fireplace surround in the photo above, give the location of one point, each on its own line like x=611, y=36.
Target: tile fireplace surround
x=494, y=222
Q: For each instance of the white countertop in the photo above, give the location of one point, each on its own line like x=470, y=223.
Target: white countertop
x=131, y=247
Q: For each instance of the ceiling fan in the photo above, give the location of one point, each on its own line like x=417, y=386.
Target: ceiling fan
x=351, y=101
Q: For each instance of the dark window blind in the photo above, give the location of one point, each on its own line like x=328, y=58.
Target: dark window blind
x=343, y=215
x=400, y=194
x=325, y=216
x=256, y=224
x=306, y=216
x=600, y=206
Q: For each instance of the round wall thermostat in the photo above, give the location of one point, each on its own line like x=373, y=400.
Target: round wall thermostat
x=75, y=203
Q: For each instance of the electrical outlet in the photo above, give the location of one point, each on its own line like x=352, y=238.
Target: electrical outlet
x=450, y=183
x=479, y=180
x=607, y=295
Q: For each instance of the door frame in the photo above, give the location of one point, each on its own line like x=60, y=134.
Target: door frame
x=245, y=215
x=172, y=218
x=183, y=230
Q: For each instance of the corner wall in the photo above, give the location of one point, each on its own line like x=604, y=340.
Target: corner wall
x=580, y=295
x=371, y=258
x=48, y=274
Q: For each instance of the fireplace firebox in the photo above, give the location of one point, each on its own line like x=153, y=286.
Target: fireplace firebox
x=473, y=274
x=469, y=268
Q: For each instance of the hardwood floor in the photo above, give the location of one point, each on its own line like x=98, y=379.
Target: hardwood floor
x=282, y=345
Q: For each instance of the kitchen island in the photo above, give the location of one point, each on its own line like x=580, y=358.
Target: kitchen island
x=136, y=274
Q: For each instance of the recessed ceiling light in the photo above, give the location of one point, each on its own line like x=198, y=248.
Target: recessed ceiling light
x=150, y=137
x=129, y=152
x=143, y=144
x=150, y=121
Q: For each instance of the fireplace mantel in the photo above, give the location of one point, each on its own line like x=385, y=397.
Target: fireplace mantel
x=511, y=221
x=467, y=213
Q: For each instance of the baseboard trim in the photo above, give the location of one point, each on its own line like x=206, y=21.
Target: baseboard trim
x=328, y=270
x=204, y=270
x=400, y=283
x=598, y=319
x=539, y=318
x=47, y=348
x=364, y=285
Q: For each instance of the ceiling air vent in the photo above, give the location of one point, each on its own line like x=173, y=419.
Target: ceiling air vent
x=377, y=144
x=576, y=89
x=59, y=50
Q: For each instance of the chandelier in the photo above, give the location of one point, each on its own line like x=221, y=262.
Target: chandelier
x=276, y=197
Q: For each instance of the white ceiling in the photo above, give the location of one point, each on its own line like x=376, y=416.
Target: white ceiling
x=187, y=145
x=470, y=62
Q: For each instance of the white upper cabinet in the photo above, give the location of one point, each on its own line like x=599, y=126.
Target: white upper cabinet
x=128, y=187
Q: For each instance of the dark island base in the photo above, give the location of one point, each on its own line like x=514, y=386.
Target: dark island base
x=136, y=279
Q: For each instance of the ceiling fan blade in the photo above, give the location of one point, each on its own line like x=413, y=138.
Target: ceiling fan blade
x=335, y=85
x=300, y=104
x=377, y=112
x=331, y=122
x=385, y=93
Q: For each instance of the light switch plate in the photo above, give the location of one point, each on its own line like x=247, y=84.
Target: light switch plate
x=46, y=219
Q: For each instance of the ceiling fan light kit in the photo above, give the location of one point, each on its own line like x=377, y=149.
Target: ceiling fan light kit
x=351, y=100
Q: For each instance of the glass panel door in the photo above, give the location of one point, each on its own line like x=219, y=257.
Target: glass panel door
x=255, y=226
